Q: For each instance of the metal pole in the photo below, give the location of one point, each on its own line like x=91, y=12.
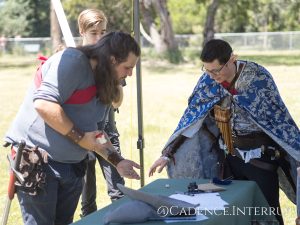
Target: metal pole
x=140, y=142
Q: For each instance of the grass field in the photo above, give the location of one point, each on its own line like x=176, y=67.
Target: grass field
x=165, y=91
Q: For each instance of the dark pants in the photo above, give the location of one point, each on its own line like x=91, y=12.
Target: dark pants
x=265, y=179
x=89, y=192
x=110, y=173
x=57, y=203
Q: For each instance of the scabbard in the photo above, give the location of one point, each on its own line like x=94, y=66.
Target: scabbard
x=222, y=117
x=11, y=184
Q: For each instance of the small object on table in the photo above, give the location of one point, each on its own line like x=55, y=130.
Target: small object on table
x=226, y=181
x=193, y=189
x=210, y=187
x=167, y=186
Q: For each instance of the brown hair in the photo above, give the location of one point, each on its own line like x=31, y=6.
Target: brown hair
x=115, y=44
x=89, y=18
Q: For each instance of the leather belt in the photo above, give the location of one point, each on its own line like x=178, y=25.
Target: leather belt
x=252, y=141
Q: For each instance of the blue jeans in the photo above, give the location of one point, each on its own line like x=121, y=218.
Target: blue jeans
x=57, y=203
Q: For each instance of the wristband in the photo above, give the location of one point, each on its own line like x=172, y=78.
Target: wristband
x=168, y=154
x=75, y=134
x=114, y=158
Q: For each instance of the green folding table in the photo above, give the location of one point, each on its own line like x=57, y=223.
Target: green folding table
x=246, y=204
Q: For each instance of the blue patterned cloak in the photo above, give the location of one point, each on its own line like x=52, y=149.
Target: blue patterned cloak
x=257, y=95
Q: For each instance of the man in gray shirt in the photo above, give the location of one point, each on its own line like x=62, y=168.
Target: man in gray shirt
x=70, y=95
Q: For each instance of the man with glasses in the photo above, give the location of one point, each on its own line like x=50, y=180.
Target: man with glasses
x=214, y=71
x=256, y=131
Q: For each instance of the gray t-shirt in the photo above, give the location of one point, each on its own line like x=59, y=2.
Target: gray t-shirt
x=63, y=74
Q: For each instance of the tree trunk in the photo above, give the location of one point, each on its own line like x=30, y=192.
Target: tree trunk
x=164, y=41
x=167, y=34
x=209, y=31
x=153, y=32
x=56, y=35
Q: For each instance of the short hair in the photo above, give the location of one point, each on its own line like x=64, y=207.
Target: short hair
x=89, y=18
x=216, y=49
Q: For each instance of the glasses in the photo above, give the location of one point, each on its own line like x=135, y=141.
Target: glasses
x=215, y=71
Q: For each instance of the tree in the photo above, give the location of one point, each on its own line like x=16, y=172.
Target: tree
x=56, y=35
x=16, y=14
x=292, y=16
x=39, y=22
x=27, y=18
x=156, y=14
x=258, y=16
x=187, y=16
x=31, y=18
x=209, y=30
